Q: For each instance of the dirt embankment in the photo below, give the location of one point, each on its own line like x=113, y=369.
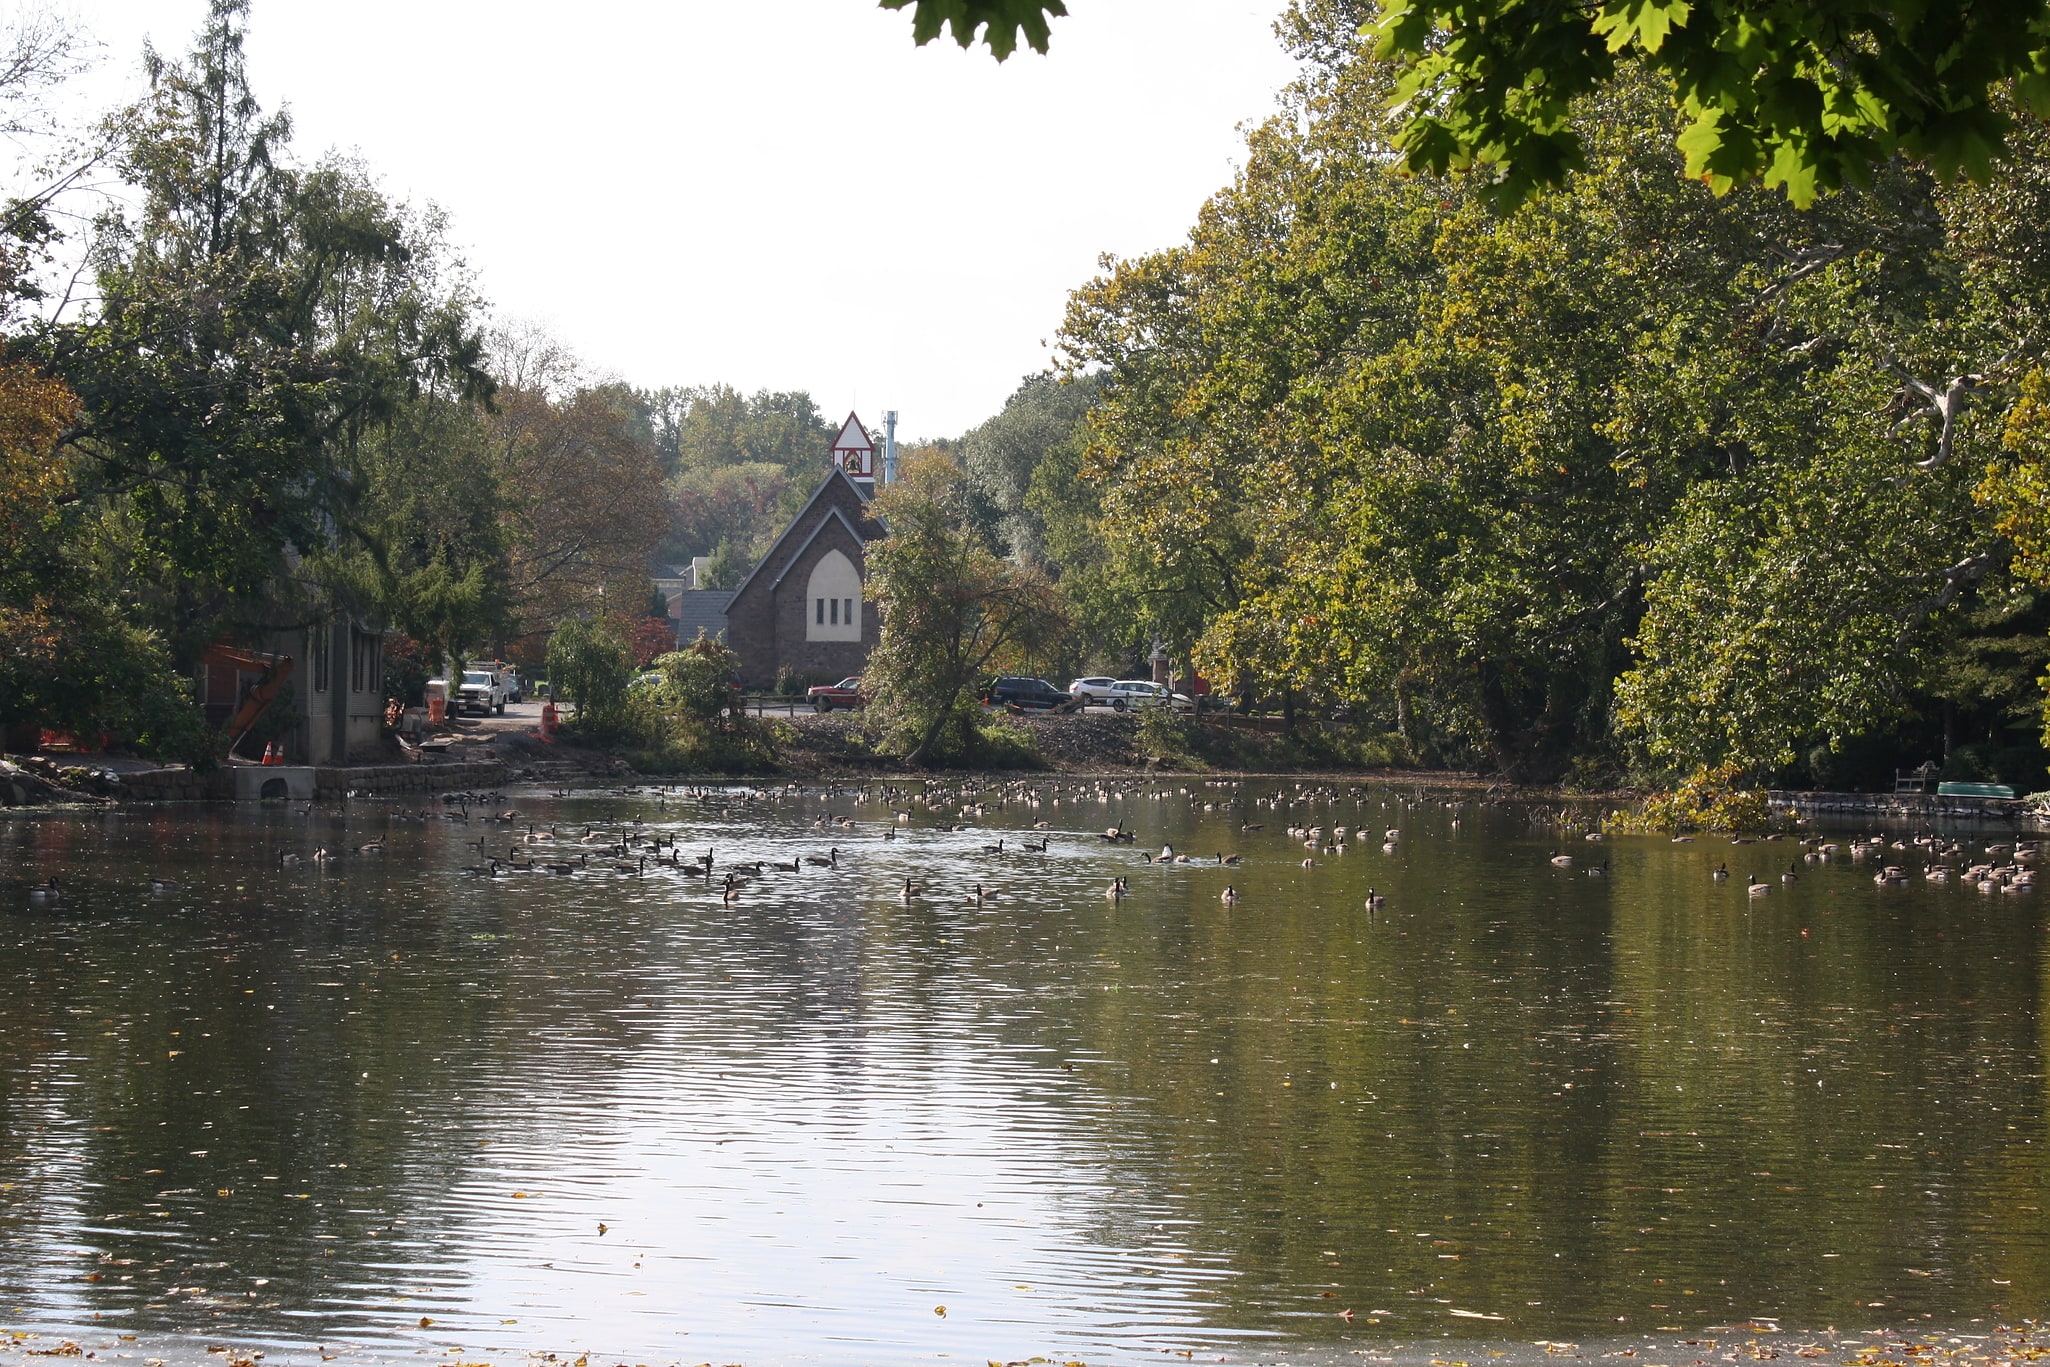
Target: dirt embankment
x=1105, y=742
x=41, y=781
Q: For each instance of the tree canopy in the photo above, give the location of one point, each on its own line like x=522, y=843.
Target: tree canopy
x=1809, y=95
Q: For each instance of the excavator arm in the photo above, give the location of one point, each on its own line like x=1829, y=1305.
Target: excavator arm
x=272, y=670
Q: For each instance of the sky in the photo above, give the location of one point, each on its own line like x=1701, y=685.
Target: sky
x=781, y=194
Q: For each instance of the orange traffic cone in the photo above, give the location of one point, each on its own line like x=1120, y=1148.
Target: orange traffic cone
x=270, y=753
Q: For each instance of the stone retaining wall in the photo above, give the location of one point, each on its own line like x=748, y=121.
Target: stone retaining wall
x=182, y=785
x=380, y=780
x=1899, y=806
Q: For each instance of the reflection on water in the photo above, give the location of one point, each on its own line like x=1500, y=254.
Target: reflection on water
x=374, y=1100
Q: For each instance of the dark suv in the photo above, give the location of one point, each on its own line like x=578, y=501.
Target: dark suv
x=1031, y=694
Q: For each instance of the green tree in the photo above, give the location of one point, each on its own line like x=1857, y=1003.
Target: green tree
x=700, y=677
x=1002, y=454
x=1807, y=96
x=590, y=664
x=952, y=612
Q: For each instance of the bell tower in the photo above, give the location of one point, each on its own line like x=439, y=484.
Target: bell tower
x=855, y=452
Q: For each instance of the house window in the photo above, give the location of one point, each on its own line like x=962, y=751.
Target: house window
x=364, y=649
x=320, y=640
x=835, y=591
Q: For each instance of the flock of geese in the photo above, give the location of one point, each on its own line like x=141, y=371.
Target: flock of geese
x=961, y=805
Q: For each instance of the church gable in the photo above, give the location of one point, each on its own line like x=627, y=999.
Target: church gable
x=800, y=609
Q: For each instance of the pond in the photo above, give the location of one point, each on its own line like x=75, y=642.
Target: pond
x=383, y=1104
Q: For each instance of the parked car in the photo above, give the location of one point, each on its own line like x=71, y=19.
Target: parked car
x=1096, y=689
x=482, y=689
x=1138, y=692
x=846, y=693
x=1032, y=694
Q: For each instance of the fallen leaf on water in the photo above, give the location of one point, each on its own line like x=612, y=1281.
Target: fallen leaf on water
x=1345, y=1315
x=940, y=1310
x=1472, y=1315
x=425, y=1321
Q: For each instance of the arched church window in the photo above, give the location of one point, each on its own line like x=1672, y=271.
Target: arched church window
x=835, y=594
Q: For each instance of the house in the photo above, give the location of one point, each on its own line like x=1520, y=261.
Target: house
x=333, y=701
x=800, y=610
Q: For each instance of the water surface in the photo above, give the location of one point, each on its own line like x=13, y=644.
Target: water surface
x=374, y=1102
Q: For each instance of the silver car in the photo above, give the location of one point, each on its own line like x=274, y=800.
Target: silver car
x=1096, y=689
x=1126, y=693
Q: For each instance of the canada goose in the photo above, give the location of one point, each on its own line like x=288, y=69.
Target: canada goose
x=1228, y=860
x=1229, y=895
x=1309, y=863
x=1564, y=861
x=563, y=869
x=997, y=848
x=1722, y=873
x=45, y=894
x=1753, y=886
x=911, y=890
x=829, y=860
x=371, y=847
x=162, y=885
x=1375, y=901
x=1792, y=875
x=1116, y=889
x=1600, y=870
x=979, y=895
x=1251, y=825
x=286, y=858
x=321, y=856
x=731, y=894
x=489, y=869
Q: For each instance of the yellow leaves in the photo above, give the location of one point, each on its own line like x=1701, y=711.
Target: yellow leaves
x=2018, y=493
x=34, y=411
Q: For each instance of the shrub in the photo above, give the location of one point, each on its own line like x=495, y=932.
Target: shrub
x=1706, y=800
x=699, y=678
x=591, y=664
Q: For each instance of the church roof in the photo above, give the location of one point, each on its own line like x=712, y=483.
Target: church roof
x=853, y=436
x=804, y=516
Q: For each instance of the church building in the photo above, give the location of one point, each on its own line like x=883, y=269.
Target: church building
x=800, y=609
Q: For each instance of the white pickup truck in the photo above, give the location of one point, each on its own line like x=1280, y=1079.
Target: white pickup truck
x=483, y=689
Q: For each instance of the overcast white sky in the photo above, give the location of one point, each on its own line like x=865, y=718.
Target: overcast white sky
x=773, y=193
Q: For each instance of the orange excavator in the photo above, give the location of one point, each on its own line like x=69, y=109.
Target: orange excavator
x=272, y=671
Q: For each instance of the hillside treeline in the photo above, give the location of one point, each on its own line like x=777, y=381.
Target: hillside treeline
x=1634, y=478
x=269, y=398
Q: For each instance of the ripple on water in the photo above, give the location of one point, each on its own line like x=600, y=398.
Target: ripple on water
x=325, y=1102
